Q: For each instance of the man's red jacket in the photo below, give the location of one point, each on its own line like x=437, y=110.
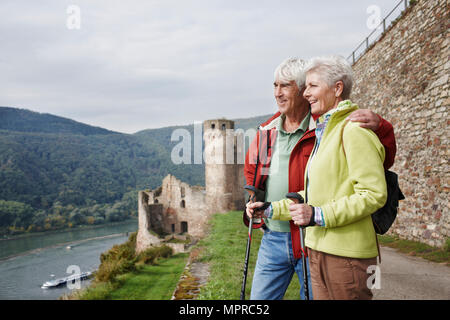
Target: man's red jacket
x=259, y=154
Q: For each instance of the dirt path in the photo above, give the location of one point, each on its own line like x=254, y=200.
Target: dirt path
x=405, y=277
x=194, y=276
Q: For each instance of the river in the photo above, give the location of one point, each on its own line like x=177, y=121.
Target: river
x=27, y=262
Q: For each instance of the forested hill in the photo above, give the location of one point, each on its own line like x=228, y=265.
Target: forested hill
x=56, y=172
x=23, y=120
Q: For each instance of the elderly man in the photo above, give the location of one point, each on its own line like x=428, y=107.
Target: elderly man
x=275, y=165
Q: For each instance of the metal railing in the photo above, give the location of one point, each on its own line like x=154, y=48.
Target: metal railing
x=378, y=32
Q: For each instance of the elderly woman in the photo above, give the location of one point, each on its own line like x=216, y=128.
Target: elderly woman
x=344, y=184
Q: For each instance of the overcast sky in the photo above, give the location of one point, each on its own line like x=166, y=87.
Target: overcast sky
x=134, y=65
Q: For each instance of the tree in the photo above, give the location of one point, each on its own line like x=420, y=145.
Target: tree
x=76, y=217
x=13, y=213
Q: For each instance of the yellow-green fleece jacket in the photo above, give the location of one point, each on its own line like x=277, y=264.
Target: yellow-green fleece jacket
x=348, y=187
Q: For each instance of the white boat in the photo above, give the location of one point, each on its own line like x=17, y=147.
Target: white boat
x=59, y=282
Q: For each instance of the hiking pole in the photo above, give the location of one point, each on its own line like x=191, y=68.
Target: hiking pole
x=297, y=198
x=247, y=253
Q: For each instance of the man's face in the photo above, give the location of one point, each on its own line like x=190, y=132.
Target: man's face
x=288, y=96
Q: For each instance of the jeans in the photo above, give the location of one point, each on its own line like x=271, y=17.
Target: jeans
x=275, y=267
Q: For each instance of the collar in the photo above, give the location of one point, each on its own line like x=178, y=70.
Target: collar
x=303, y=125
x=341, y=106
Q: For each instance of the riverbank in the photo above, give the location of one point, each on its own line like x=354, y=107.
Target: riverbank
x=123, y=274
x=75, y=228
x=27, y=244
x=69, y=245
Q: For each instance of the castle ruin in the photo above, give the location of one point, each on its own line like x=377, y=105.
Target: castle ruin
x=178, y=208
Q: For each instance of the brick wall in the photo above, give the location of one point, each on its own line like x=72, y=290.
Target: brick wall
x=405, y=78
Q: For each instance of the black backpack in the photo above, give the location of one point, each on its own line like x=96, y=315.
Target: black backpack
x=384, y=217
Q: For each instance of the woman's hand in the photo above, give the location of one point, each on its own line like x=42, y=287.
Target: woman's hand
x=301, y=213
x=252, y=211
x=367, y=118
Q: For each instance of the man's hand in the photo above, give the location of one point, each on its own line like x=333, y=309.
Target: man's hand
x=252, y=210
x=368, y=119
x=301, y=213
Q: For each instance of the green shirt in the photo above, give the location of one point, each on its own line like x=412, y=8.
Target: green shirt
x=277, y=184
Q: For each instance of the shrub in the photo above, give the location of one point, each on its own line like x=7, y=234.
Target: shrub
x=122, y=258
x=119, y=259
x=109, y=270
x=151, y=255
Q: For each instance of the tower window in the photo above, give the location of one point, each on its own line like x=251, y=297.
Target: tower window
x=224, y=126
x=213, y=126
x=183, y=204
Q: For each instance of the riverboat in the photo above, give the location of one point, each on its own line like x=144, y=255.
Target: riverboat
x=59, y=282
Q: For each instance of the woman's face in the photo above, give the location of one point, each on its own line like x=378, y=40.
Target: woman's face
x=320, y=96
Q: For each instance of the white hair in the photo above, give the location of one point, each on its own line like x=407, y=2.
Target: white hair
x=333, y=69
x=291, y=69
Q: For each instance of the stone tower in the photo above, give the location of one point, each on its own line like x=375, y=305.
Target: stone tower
x=224, y=168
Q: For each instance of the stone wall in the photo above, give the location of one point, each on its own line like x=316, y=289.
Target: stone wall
x=405, y=78
x=175, y=207
x=144, y=238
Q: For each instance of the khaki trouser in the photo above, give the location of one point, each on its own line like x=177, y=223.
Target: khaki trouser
x=339, y=278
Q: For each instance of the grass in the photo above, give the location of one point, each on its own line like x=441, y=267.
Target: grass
x=152, y=282
x=414, y=248
x=147, y=282
x=224, y=250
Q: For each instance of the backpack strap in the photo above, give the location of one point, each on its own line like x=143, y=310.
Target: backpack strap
x=378, y=248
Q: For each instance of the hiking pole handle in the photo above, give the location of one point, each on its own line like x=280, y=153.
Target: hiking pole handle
x=296, y=197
